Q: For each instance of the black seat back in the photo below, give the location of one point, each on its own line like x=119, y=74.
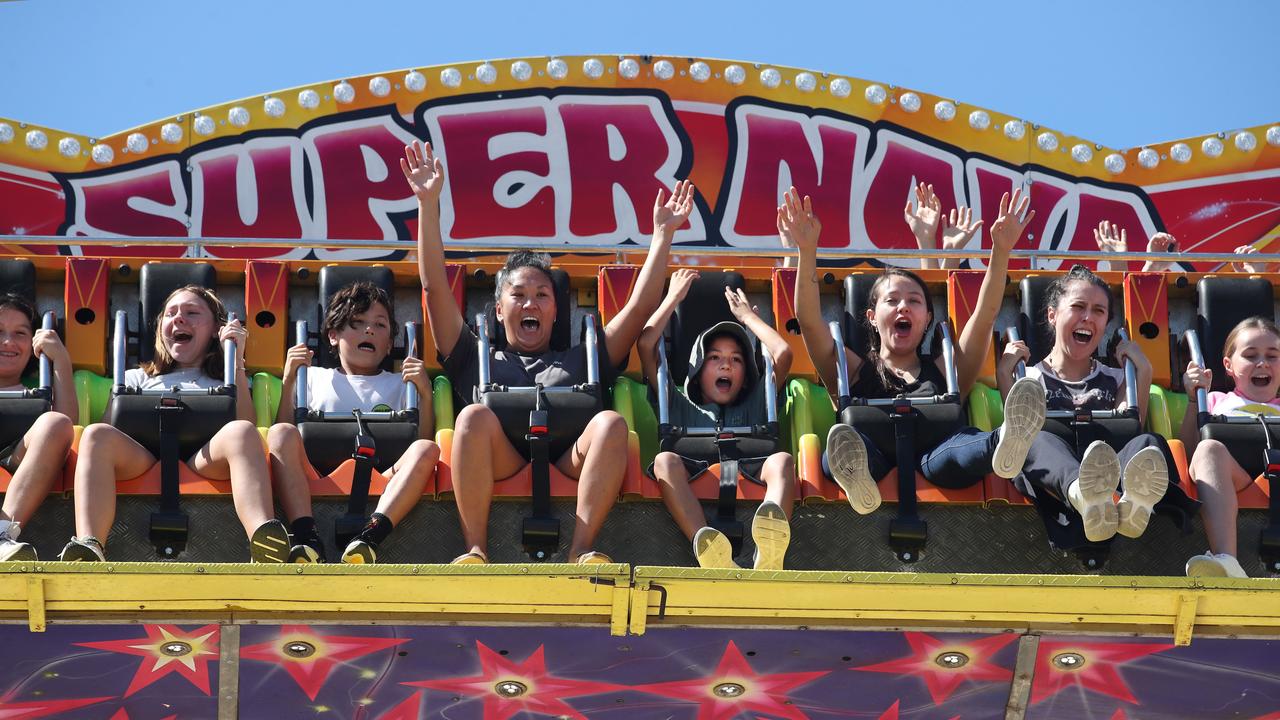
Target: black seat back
x=1032, y=312
x=332, y=279
x=1221, y=303
x=853, y=323
x=135, y=415
x=18, y=277
x=702, y=307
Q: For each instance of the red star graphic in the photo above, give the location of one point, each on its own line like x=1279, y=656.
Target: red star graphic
x=43, y=708
x=539, y=692
x=312, y=671
x=171, y=650
x=752, y=692
x=1098, y=672
x=407, y=710
x=942, y=680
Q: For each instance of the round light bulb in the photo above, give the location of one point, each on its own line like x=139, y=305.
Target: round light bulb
x=486, y=73
x=415, y=81
x=629, y=68
x=521, y=70
x=700, y=71
x=379, y=86
x=944, y=110
x=309, y=99
x=735, y=75
x=344, y=93
x=876, y=94
x=979, y=120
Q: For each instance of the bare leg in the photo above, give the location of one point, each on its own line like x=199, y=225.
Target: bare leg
x=481, y=454
x=595, y=461
x=40, y=457
x=1218, y=478
x=288, y=480
x=106, y=456
x=407, y=479
x=673, y=482
x=779, y=477
x=235, y=453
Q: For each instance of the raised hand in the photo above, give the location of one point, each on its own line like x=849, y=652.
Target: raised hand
x=958, y=228
x=1110, y=237
x=923, y=219
x=670, y=214
x=783, y=233
x=423, y=170
x=1250, y=267
x=298, y=356
x=799, y=221
x=739, y=305
x=412, y=370
x=681, y=281
x=1007, y=228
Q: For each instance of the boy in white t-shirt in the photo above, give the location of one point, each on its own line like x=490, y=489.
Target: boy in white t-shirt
x=358, y=326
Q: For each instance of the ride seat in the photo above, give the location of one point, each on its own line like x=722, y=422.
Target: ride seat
x=19, y=409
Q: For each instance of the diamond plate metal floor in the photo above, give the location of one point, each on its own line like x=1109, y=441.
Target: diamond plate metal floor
x=962, y=538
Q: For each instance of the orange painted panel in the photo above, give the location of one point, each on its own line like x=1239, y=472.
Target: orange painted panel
x=614, y=284
x=1146, y=317
x=962, y=300
x=85, y=297
x=266, y=304
x=784, y=321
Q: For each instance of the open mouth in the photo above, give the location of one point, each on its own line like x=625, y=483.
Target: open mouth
x=530, y=324
x=1082, y=336
x=902, y=327
x=1261, y=381
x=366, y=346
x=723, y=384
x=181, y=336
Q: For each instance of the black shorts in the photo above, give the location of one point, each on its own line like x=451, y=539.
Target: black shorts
x=749, y=468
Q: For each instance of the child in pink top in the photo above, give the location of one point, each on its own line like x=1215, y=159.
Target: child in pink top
x=1251, y=357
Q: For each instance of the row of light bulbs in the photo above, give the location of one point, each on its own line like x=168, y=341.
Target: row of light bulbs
x=486, y=73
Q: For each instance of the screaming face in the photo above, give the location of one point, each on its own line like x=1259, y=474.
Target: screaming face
x=187, y=329
x=1079, y=320
x=364, y=342
x=1254, y=364
x=527, y=310
x=900, y=315
x=723, y=371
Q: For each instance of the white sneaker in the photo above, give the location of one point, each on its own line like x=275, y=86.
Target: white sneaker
x=1211, y=565
x=1093, y=494
x=847, y=459
x=10, y=549
x=1024, y=410
x=1145, y=479
x=713, y=549
x=772, y=533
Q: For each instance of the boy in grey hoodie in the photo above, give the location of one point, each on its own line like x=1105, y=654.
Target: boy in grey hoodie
x=723, y=388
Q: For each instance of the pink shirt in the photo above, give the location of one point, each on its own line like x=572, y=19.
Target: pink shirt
x=1233, y=403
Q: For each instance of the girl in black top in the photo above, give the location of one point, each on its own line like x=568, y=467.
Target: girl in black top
x=899, y=314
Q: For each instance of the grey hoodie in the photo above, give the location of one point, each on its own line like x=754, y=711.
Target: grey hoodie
x=749, y=406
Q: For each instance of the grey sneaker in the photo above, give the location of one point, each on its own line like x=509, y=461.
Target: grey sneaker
x=270, y=543
x=847, y=459
x=1145, y=478
x=713, y=549
x=85, y=549
x=772, y=533
x=1024, y=410
x=360, y=552
x=1093, y=494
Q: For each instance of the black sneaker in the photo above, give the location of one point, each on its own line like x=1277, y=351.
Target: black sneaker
x=360, y=552
x=87, y=549
x=308, y=550
x=270, y=543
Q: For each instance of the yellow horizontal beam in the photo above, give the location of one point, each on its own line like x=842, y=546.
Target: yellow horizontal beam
x=1148, y=605
x=293, y=593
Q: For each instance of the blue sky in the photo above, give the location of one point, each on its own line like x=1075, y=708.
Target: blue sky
x=1117, y=72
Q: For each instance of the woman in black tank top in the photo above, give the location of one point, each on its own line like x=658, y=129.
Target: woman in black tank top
x=899, y=313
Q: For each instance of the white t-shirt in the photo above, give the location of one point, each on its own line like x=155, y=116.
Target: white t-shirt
x=331, y=390
x=1101, y=389
x=186, y=379
x=1233, y=403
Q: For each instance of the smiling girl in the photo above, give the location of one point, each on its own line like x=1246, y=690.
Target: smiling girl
x=188, y=354
x=1251, y=358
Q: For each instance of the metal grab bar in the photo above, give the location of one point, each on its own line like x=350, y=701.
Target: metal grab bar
x=46, y=365
x=593, y=360
x=664, y=386
x=300, y=336
x=119, y=347
x=949, y=359
x=410, y=350
x=482, y=338
x=842, y=367
x=229, y=357
x=1197, y=357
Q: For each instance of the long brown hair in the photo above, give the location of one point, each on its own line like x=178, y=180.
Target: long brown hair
x=873, y=297
x=163, y=362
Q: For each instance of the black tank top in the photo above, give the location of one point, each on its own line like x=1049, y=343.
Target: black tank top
x=869, y=384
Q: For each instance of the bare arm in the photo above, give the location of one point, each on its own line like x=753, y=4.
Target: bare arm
x=1130, y=350
x=425, y=175
x=774, y=344
x=234, y=331
x=624, y=329
x=804, y=227
x=296, y=357
x=47, y=343
x=413, y=371
x=975, y=340
x=651, y=336
x=1189, y=432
